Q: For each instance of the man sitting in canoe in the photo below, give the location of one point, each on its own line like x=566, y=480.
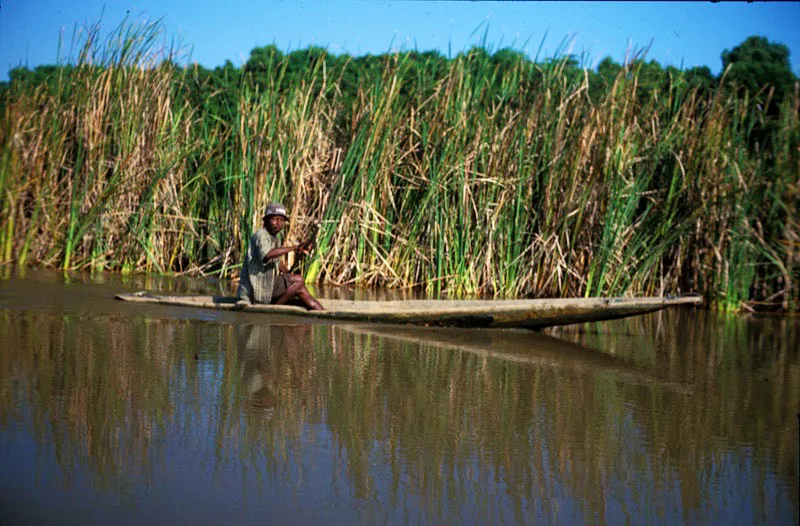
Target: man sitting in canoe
x=266, y=279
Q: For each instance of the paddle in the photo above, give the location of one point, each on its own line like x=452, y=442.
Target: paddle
x=308, y=245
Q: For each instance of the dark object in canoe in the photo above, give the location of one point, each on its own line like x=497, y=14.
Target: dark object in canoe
x=529, y=314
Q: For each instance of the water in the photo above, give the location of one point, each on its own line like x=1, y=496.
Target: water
x=127, y=414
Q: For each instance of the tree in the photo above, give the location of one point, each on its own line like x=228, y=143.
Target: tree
x=600, y=83
x=756, y=63
x=263, y=60
x=700, y=77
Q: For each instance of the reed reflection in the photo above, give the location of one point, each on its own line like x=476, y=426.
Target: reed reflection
x=94, y=391
x=461, y=426
x=745, y=378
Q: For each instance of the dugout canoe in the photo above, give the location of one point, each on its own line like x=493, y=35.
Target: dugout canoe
x=529, y=314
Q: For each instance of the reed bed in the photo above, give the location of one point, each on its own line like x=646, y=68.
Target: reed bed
x=467, y=176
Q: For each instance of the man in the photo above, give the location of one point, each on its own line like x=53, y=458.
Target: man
x=266, y=279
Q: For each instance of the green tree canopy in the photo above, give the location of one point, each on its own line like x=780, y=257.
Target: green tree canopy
x=756, y=63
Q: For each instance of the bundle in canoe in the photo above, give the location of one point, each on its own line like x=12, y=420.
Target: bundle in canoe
x=529, y=314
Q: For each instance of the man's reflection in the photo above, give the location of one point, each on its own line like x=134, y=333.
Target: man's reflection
x=276, y=362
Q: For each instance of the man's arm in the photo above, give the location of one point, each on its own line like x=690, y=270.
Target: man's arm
x=282, y=251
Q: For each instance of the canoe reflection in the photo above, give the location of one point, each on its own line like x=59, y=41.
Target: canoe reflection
x=524, y=347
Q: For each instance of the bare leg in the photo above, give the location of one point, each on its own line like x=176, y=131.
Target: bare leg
x=298, y=288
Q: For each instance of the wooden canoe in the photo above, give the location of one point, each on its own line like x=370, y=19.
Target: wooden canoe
x=529, y=314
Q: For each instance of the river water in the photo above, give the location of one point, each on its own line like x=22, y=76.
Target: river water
x=129, y=414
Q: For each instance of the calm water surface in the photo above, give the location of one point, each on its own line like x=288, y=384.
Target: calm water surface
x=128, y=414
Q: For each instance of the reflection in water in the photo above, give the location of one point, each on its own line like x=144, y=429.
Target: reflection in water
x=684, y=418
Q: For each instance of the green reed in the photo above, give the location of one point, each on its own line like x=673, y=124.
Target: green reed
x=470, y=175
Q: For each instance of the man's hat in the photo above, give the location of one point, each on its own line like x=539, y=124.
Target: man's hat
x=275, y=209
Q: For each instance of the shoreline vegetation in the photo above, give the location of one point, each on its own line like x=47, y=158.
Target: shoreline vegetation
x=486, y=173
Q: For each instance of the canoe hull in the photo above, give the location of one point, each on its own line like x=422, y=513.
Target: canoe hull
x=530, y=314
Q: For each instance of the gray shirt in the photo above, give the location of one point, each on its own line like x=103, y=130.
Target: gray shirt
x=256, y=279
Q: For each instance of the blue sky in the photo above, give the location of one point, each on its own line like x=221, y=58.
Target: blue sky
x=682, y=33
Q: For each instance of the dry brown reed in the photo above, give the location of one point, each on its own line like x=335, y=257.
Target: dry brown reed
x=516, y=182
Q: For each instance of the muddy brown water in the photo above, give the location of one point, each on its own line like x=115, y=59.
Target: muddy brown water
x=131, y=414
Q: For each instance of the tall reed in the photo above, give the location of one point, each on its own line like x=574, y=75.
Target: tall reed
x=472, y=175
